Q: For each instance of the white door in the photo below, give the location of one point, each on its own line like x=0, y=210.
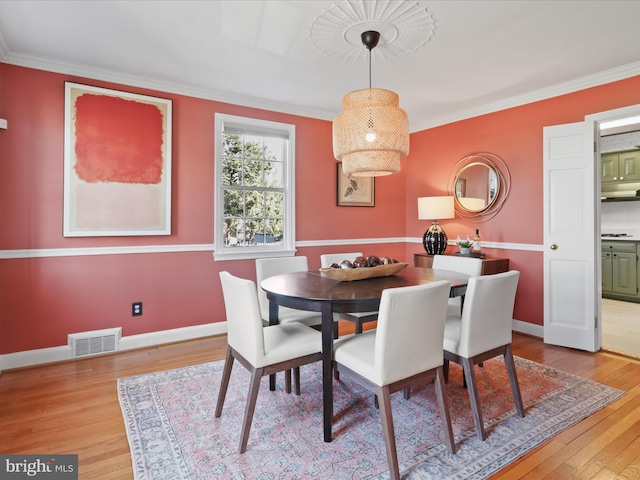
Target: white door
x=570, y=303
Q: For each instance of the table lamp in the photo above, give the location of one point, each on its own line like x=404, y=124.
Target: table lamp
x=433, y=208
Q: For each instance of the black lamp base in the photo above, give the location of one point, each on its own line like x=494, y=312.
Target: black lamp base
x=435, y=240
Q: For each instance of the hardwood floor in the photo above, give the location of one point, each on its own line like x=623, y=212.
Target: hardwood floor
x=72, y=407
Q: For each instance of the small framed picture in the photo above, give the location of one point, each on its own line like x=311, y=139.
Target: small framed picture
x=354, y=191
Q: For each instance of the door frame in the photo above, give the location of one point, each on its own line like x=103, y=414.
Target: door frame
x=590, y=124
x=595, y=119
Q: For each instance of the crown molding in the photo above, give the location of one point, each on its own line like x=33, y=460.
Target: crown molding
x=571, y=86
x=112, y=76
x=589, y=81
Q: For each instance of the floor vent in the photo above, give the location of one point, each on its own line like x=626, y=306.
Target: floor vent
x=93, y=343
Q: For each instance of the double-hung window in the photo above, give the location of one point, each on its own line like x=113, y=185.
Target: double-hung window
x=254, y=188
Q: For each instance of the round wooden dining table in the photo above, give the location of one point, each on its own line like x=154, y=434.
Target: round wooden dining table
x=316, y=292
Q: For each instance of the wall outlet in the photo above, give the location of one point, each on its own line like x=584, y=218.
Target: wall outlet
x=136, y=309
x=3, y=123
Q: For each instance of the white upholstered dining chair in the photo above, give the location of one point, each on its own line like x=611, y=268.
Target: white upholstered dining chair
x=261, y=350
x=268, y=267
x=483, y=332
x=326, y=260
x=468, y=265
x=405, y=349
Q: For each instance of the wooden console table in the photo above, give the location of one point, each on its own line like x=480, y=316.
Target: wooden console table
x=490, y=265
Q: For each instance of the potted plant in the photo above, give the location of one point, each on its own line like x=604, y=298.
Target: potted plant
x=465, y=247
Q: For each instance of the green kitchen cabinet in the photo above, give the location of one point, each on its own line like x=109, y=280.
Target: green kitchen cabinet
x=620, y=270
x=620, y=167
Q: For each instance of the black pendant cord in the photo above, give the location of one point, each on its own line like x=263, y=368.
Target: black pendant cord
x=369, y=69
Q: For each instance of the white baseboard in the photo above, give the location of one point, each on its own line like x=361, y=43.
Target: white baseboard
x=35, y=357
x=55, y=354
x=528, y=328
x=169, y=336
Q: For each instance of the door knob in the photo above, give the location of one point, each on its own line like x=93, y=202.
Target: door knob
x=553, y=246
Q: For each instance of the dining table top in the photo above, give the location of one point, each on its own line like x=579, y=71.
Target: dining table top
x=313, y=286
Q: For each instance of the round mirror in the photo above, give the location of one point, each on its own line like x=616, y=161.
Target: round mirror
x=477, y=186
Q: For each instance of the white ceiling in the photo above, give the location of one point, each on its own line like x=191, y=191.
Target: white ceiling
x=483, y=55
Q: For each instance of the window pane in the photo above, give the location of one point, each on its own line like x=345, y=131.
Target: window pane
x=254, y=203
x=253, y=173
x=274, y=148
x=253, y=147
x=231, y=171
x=275, y=228
x=232, y=144
x=229, y=232
x=236, y=233
x=259, y=236
x=233, y=203
x=273, y=175
x=274, y=204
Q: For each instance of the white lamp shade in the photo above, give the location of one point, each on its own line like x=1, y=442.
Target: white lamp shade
x=435, y=208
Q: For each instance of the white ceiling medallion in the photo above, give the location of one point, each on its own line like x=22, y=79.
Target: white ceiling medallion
x=404, y=27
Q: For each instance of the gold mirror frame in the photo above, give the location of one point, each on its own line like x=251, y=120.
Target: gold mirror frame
x=479, y=194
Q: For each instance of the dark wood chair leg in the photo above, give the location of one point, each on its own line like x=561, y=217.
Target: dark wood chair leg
x=445, y=370
x=296, y=380
x=224, y=382
x=474, y=397
x=513, y=379
x=386, y=417
x=441, y=392
x=254, y=387
x=287, y=381
x=358, y=326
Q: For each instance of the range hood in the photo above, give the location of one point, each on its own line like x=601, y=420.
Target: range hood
x=620, y=192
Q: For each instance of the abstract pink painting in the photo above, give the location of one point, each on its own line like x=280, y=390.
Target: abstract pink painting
x=117, y=163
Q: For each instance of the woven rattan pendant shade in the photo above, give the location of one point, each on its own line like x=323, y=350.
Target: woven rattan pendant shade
x=371, y=134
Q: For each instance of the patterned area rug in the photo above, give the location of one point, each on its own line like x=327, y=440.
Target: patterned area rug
x=174, y=436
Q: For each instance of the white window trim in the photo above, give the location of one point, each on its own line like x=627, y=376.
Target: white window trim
x=234, y=253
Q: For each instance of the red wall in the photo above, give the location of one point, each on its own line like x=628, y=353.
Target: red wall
x=514, y=135
x=44, y=299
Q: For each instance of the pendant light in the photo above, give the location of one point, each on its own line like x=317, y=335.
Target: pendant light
x=371, y=134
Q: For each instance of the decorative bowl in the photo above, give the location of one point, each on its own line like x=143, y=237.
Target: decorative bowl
x=351, y=274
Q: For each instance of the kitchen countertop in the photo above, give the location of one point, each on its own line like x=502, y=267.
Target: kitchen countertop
x=631, y=237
